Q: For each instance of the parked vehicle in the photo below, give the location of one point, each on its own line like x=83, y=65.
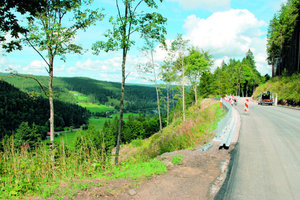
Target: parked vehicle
x=266, y=98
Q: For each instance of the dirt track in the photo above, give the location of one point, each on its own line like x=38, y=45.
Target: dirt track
x=196, y=178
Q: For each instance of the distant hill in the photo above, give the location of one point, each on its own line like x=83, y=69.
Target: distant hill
x=137, y=97
x=17, y=107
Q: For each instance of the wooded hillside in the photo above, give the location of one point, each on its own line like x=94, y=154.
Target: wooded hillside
x=137, y=98
x=17, y=107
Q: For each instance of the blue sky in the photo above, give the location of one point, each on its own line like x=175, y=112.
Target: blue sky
x=225, y=28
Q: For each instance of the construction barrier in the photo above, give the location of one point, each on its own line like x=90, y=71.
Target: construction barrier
x=246, y=106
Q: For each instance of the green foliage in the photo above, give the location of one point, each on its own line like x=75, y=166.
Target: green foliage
x=237, y=77
x=281, y=29
x=134, y=128
x=139, y=98
x=25, y=135
x=9, y=23
x=178, y=135
x=17, y=107
x=89, y=138
x=177, y=159
x=128, y=21
x=55, y=28
x=31, y=172
x=197, y=62
x=286, y=87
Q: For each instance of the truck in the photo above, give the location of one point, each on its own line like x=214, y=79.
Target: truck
x=266, y=98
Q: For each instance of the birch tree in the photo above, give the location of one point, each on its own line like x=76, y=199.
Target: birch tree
x=130, y=21
x=197, y=62
x=149, y=68
x=52, y=34
x=179, y=47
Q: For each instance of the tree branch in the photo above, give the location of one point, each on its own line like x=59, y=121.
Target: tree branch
x=127, y=75
x=38, y=53
x=119, y=12
x=33, y=78
x=137, y=6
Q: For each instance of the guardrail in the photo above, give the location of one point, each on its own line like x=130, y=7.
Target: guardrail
x=226, y=126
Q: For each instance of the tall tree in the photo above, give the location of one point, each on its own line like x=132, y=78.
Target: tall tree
x=280, y=31
x=130, y=19
x=149, y=68
x=197, y=62
x=168, y=77
x=179, y=47
x=52, y=34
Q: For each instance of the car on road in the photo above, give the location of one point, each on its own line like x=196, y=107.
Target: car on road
x=266, y=98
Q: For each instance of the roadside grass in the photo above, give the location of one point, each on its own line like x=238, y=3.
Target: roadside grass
x=134, y=171
x=32, y=174
x=198, y=128
x=286, y=87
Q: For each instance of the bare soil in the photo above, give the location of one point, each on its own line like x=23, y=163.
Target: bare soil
x=198, y=177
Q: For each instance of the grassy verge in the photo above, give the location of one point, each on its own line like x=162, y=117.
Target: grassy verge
x=197, y=129
x=31, y=173
x=286, y=87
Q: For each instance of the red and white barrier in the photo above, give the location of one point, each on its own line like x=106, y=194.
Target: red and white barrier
x=246, y=106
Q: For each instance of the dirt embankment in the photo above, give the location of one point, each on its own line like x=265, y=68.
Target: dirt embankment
x=197, y=177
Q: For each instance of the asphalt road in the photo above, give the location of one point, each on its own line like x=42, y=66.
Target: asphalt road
x=266, y=161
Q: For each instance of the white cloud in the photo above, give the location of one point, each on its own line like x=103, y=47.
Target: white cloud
x=111, y=64
x=205, y=4
x=228, y=34
x=6, y=66
x=108, y=70
x=36, y=67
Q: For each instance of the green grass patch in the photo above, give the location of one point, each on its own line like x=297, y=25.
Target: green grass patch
x=96, y=107
x=138, y=170
x=98, y=122
x=177, y=159
x=125, y=115
x=66, y=137
x=79, y=96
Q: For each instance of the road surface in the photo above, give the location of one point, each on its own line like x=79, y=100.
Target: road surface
x=266, y=161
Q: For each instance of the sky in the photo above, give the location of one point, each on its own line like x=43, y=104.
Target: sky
x=225, y=28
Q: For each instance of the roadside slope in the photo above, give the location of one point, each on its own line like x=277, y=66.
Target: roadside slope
x=192, y=177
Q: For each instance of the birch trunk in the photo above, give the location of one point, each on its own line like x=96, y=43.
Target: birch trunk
x=183, y=98
x=121, y=107
x=157, y=95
